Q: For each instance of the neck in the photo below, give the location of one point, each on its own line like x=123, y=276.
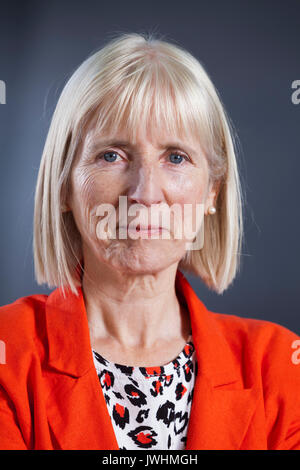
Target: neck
x=133, y=310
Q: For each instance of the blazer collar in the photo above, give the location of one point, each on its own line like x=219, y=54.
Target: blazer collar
x=69, y=339
x=223, y=413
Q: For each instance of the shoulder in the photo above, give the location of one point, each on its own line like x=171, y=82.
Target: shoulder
x=264, y=338
x=268, y=355
x=22, y=327
x=22, y=312
x=269, y=359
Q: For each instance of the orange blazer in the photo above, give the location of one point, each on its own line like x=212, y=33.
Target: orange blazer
x=246, y=395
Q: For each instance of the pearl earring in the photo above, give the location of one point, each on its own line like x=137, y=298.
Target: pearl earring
x=211, y=210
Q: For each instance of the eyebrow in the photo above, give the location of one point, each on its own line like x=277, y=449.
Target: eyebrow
x=129, y=145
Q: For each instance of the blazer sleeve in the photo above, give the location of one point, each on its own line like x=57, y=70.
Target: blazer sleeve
x=10, y=433
x=291, y=408
x=292, y=439
x=282, y=387
x=18, y=338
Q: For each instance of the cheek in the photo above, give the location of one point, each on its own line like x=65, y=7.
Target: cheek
x=189, y=192
x=92, y=189
x=188, y=188
x=89, y=191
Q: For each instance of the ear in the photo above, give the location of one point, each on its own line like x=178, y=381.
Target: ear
x=65, y=208
x=212, y=196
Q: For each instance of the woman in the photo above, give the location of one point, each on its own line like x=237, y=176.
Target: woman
x=123, y=354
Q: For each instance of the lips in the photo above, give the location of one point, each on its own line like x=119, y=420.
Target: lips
x=140, y=228
x=147, y=227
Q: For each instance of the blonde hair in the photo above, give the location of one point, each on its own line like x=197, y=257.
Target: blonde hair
x=134, y=77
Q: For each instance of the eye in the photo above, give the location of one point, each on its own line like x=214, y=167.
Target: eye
x=108, y=156
x=111, y=156
x=177, y=158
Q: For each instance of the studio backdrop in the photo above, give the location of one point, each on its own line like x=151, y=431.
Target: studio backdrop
x=251, y=51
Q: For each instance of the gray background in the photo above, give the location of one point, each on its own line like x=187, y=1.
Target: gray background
x=251, y=50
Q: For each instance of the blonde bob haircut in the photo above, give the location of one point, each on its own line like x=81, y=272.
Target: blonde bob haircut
x=138, y=79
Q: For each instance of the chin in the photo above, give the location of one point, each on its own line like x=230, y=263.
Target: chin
x=144, y=258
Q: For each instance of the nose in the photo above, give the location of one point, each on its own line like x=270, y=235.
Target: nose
x=145, y=187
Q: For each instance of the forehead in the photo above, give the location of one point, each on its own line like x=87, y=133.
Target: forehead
x=158, y=137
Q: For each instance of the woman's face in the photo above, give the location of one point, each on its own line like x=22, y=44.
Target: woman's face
x=155, y=172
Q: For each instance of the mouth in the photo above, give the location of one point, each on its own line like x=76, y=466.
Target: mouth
x=141, y=228
x=144, y=228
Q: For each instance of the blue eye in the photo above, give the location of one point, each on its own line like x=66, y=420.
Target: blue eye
x=176, y=159
x=110, y=156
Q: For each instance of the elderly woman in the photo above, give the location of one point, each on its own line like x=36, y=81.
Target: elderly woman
x=123, y=354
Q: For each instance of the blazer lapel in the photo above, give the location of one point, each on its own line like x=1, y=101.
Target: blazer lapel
x=76, y=410
x=77, y=414
x=220, y=419
x=222, y=409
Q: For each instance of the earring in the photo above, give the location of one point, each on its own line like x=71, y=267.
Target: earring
x=211, y=210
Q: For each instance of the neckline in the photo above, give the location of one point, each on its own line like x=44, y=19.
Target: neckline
x=186, y=355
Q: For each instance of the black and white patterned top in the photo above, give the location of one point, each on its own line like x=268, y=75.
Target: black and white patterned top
x=149, y=406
